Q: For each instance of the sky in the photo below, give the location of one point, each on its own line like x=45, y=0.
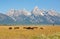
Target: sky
x=29, y=5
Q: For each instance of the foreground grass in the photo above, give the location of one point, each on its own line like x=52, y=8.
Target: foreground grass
x=52, y=36
x=48, y=32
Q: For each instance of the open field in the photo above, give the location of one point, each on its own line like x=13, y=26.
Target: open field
x=35, y=32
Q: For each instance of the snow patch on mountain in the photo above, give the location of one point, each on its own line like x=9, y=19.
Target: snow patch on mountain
x=36, y=11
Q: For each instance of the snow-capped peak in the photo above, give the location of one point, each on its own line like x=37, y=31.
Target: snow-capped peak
x=52, y=12
x=36, y=11
x=25, y=12
x=11, y=11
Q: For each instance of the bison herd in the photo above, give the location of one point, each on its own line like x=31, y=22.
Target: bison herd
x=28, y=28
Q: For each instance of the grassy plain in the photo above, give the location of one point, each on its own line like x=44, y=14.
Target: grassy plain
x=48, y=32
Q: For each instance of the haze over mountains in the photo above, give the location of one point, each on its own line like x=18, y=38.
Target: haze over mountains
x=36, y=16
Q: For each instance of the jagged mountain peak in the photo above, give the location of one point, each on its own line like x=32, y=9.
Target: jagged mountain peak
x=36, y=11
x=36, y=16
x=11, y=11
x=36, y=8
x=25, y=12
x=52, y=12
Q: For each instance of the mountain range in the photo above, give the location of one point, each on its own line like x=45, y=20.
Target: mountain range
x=36, y=16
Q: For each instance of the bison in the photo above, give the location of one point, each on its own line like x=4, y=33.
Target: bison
x=28, y=28
x=10, y=27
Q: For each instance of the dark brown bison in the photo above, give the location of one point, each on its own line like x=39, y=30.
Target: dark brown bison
x=28, y=28
x=10, y=27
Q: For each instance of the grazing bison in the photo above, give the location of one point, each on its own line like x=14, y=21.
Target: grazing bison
x=10, y=27
x=28, y=28
x=16, y=27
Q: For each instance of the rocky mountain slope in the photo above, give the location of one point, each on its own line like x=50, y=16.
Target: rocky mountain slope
x=36, y=16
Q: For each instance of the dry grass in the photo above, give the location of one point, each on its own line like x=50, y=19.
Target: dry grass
x=6, y=33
